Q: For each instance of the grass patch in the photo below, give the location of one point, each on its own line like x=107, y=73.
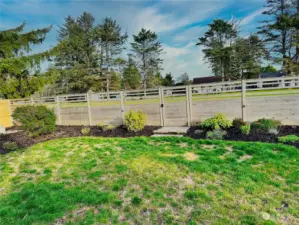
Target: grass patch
x=90, y=181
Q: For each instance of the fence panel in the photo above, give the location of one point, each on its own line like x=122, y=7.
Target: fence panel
x=274, y=99
x=175, y=106
x=145, y=100
x=211, y=99
x=105, y=108
x=73, y=109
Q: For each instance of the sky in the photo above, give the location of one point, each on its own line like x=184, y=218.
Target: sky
x=179, y=23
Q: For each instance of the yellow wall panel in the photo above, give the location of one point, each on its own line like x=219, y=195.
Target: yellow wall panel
x=5, y=117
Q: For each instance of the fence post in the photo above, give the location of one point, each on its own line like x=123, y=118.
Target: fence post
x=243, y=101
x=58, y=110
x=10, y=112
x=31, y=101
x=122, y=105
x=162, y=113
x=89, y=109
x=188, y=106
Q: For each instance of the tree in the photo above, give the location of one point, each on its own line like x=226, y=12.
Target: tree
x=217, y=43
x=147, y=49
x=183, y=79
x=268, y=69
x=277, y=30
x=131, y=76
x=248, y=54
x=19, y=71
x=168, y=80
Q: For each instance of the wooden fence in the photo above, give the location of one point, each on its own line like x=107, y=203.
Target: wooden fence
x=276, y=98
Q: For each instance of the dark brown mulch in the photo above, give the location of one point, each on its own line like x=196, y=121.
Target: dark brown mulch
x=233, y=134
x=23, y=140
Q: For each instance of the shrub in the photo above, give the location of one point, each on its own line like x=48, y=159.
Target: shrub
x=108, y=127
x=216, y=134
x=238, y=122
x=289, y=138
x=36, y=120
x=85, y=131
x=217, y=122
x=245, y=129
x=265, y=125
x=10, y=146
x=135, y=121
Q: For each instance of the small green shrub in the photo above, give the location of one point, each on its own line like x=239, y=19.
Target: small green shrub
x=217, y=122
x=216, y=134
x=245, y=129
x=108, y=127
x=37, y=120
x=265, y=125
x=238, y=122
x=10, y=146
x=85, y=131
x=135, y=121
x=289, y=138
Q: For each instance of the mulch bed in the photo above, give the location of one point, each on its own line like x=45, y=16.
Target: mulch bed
x=24, y=141
x=233, y=134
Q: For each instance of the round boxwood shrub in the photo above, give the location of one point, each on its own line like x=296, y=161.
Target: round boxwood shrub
x=37, y=120
x=135, y=121
x=217, y=122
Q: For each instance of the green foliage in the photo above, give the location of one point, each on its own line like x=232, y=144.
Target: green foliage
x=217, y=122
x=245, y=129
x=10, y=146
x=19, y=71
x=268, y=69
x=36, y=120
x=216, y=134
x=135, y=121
x=238, y=122
x=288, y=138
x=147, y=50
x=85, y=131
x=168, y=80
x=264, y=125
x=131, y=77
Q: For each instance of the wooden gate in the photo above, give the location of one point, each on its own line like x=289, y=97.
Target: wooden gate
x=5, y=115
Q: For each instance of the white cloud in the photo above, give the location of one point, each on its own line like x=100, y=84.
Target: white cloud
x=251, y=17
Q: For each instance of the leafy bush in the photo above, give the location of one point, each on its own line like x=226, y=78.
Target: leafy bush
x=10, y=146
x=265, y=125
x=289, y=138
x=36, y=120
x=238, y=122
x=245, y=129
x=216, y=134
x=85, y=131
x=217, y=122
x=135, y=121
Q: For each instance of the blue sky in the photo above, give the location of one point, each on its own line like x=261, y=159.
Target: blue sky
x=178, y=23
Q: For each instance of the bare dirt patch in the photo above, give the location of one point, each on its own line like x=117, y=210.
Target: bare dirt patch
x=208, y=147
x=190, y=156
x=244, y=158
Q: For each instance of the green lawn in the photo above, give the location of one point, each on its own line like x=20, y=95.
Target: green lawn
x=150, y=181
